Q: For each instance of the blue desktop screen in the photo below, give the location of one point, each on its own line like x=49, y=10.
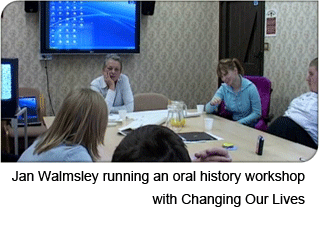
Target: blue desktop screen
x=87, y=25
x=6, y=82
x=31, y=104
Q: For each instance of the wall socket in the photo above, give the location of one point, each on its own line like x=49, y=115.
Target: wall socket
x=45, y=57
x=266, y=46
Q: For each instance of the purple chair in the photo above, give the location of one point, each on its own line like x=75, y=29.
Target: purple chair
x=263, y=85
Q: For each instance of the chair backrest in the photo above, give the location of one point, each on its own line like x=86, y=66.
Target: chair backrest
x=150, y=101
x=28, y=91
x=263, y=85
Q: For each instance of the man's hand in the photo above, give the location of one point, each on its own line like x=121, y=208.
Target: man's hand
x=213, y=155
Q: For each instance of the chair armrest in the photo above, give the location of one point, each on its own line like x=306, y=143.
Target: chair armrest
x=261, y=125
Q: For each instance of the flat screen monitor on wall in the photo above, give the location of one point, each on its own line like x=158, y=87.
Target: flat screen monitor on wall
x=86, y=27
x=9, y=87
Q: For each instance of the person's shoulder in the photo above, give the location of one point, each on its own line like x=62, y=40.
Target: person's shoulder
x=124, y=80
x=247, y=83
x=250, y=86
x=224, y=86
x=27, y=155
x=309, y=95
x=313, y=94
x=77, y=153
x=97, y=80
x=124, y=77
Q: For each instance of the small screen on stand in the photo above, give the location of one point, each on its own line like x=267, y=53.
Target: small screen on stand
x=6, y=82
x=9, y=87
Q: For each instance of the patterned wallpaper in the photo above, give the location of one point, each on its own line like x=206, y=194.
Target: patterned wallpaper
x=179, y=53
x=291, y=51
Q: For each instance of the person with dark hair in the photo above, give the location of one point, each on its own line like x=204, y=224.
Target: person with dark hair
x=154, y=143
x=300, y=121
x=114, y=86
x=239, y=94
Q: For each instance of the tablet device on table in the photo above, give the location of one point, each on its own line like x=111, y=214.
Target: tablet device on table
x=196, y=136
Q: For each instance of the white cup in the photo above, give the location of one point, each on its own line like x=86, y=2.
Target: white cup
x=122, y=114
x=208, y=124
x=200, y=108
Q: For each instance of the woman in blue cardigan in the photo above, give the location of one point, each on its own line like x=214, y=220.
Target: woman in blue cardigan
x=240, y=95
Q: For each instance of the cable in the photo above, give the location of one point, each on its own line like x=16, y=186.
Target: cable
x=48, y=87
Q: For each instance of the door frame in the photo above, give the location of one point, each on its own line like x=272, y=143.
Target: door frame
x=223, y=41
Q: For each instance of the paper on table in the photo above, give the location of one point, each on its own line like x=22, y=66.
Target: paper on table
x=115, y=118
x=142, y=118
x=193, y=114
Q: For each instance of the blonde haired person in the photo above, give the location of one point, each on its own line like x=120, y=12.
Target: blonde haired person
x=240, y=95
x=78, y=129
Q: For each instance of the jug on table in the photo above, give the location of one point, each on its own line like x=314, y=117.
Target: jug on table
x=182, y=105
x=175, y=117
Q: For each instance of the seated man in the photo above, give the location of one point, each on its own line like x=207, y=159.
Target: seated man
x=154, y=143
x=300, y=122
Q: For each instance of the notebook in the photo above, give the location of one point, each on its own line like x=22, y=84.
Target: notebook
x=198, y=137
x=32, y=111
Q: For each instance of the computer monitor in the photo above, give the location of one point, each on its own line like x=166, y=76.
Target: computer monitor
x=89, y=27
x=9, y=87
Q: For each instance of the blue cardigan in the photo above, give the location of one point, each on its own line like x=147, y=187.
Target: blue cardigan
x=245, y=105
